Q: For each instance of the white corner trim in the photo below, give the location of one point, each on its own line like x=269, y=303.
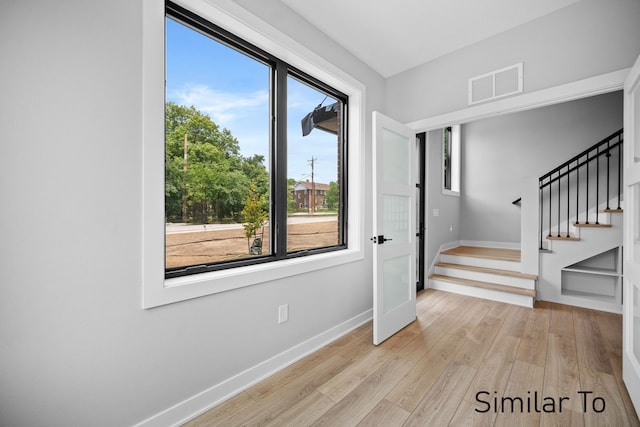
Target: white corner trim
x=633, y=79
x=591, y=86
x=207, y=399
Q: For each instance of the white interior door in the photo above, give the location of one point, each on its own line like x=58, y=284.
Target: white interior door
x=631, y=309
x=394, y=224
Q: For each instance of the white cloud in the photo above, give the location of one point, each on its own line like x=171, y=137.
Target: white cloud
x=223, y=107
x=246, y=115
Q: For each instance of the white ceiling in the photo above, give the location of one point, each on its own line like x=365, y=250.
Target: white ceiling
x=392, y=36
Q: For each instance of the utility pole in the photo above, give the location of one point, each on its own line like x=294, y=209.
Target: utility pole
x=184, y=179
x=312, y=198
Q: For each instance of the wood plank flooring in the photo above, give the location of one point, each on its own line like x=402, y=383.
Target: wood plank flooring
x=463, y=362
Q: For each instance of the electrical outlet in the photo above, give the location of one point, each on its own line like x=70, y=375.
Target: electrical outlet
x=436, y=212
x=283, y=313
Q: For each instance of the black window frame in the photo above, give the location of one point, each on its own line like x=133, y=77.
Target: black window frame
x=279, y=73
x=447, y=151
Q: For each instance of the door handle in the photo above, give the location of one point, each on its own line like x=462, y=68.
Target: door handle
x=379, y=239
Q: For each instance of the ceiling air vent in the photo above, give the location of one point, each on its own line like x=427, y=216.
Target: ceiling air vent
x=496, y=84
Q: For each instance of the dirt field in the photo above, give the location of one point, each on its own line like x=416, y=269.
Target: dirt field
x=201, y=247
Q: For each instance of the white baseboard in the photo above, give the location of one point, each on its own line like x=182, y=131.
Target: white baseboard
x=590, y=304
x=436, y=259
x=450, y=245
x=207, y=399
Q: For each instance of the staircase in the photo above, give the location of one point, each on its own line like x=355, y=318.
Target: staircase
x=489, y=273
x=580, y=227
x=576, y=212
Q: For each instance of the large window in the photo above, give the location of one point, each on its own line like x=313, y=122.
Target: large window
x=222, y=138
x=255, y=153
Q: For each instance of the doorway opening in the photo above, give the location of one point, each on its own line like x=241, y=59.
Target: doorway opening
x=421, y=139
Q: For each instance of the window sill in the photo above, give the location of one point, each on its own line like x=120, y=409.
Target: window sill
x=199, y=285
x=450, y=193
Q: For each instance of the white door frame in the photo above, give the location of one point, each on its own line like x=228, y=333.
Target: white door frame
x=631, y=280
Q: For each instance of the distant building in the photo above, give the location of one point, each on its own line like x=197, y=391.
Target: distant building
x=302, y=195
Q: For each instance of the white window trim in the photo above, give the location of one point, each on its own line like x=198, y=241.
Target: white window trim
x=455, y=163
x=450, y=193
x=156, y=290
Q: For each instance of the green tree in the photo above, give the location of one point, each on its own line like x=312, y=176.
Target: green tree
x=254, y=169
x=291, y=204
x=206, y=177
x=332, y=196
x=254, y=218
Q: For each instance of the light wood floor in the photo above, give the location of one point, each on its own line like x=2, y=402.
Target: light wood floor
x=430, y=373
x=482, y=252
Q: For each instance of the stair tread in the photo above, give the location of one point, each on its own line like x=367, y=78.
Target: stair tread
x=563, y=237
x=591, y=224
x=495, y=271
x=485, y=285
x=613, y=210
x=511, y=255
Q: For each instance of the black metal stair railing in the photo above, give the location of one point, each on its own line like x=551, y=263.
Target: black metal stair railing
x=582, y=179
x=561, y=176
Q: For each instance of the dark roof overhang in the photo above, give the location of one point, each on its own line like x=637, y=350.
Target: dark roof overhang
x=323, y=118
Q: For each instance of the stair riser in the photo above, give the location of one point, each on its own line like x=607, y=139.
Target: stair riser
x=488, y=294
x=518, y=282
x=481, y=262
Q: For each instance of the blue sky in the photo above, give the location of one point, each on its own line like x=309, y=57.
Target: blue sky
x=234, y=91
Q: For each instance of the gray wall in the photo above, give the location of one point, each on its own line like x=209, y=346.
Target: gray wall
x=498, y=152
x=75, y=346
x=588, y=38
